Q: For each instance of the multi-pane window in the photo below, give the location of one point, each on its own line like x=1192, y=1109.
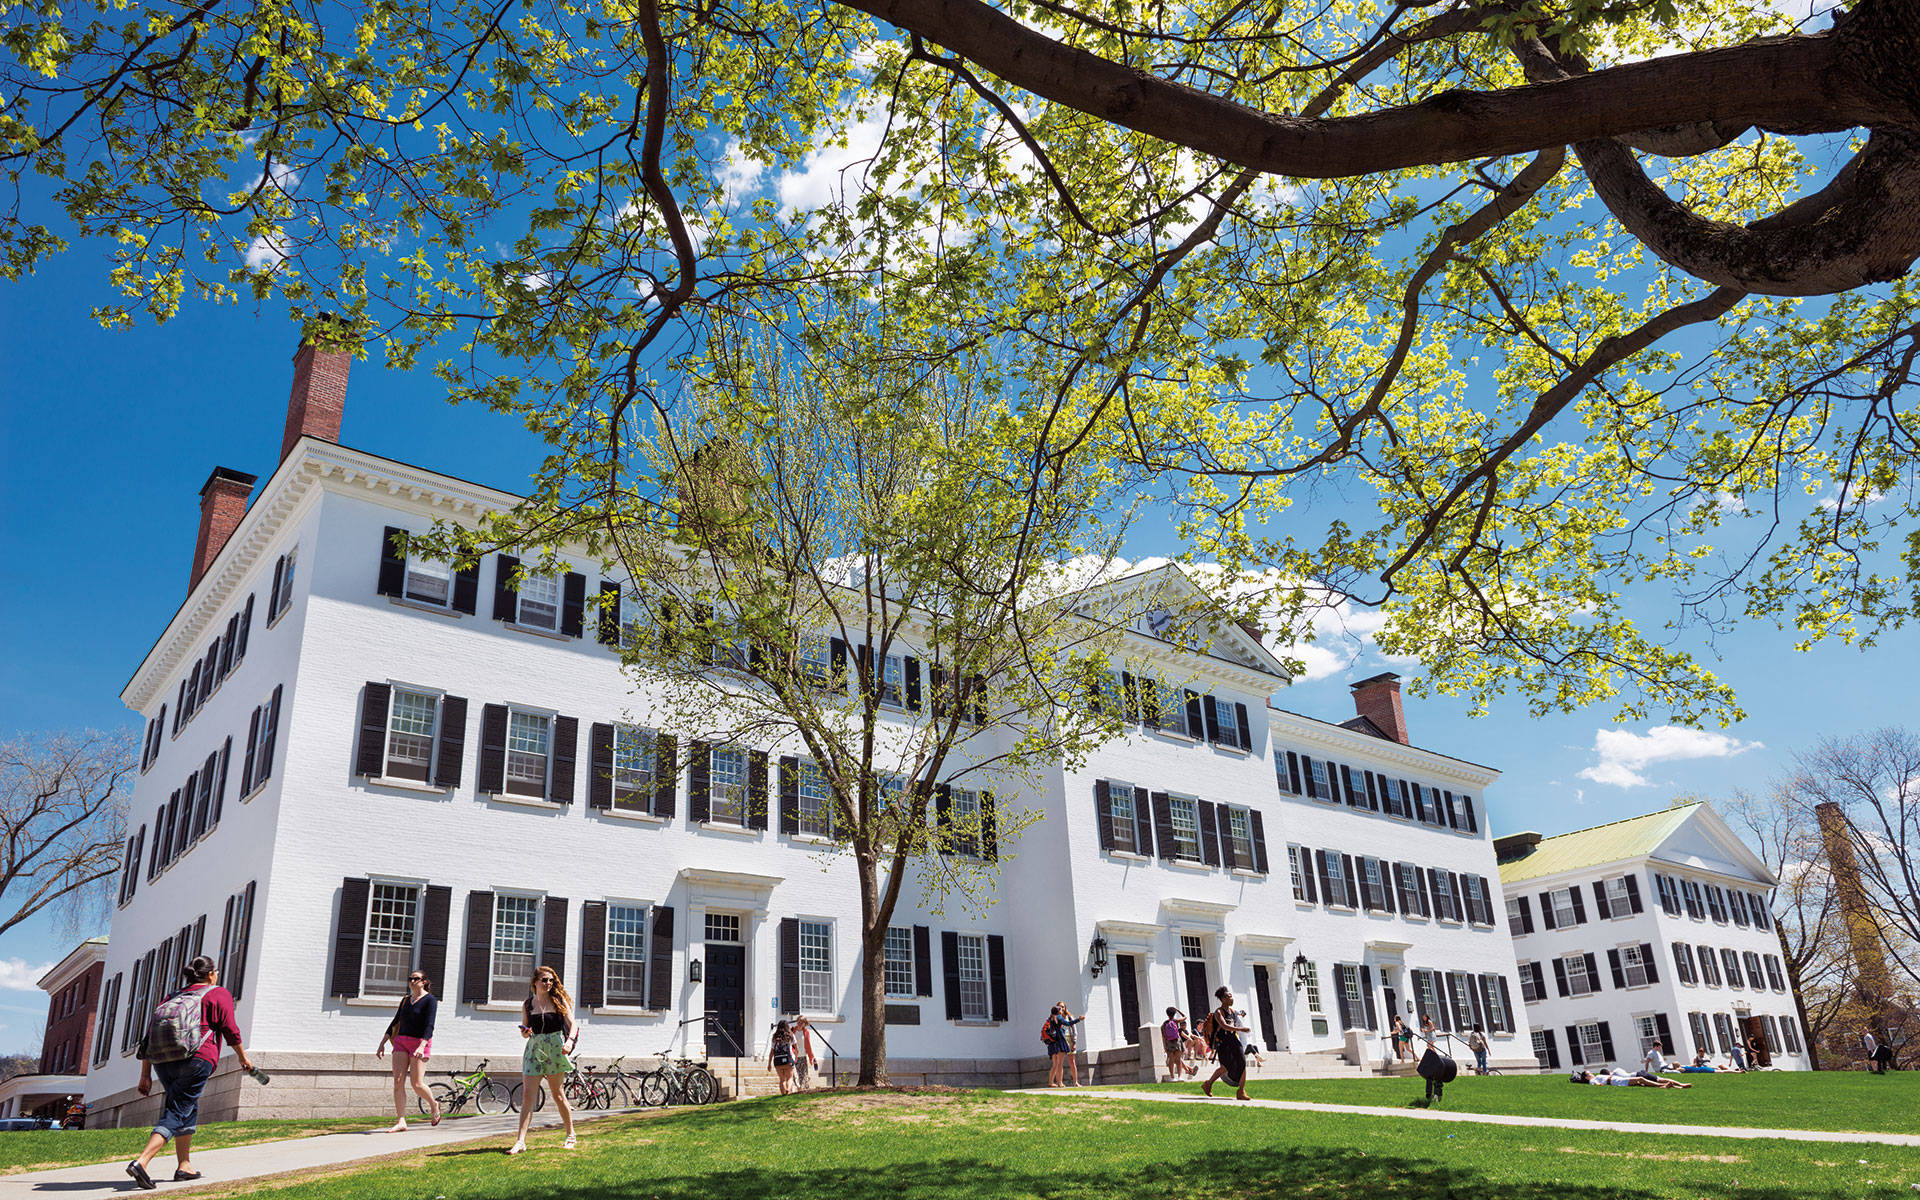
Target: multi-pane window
x=1683, y=962
x=723, y=927
x=1461, y=988
x=1790, y=1034
x=1240, y=832
x=1702, y=1034
x=893, y=681
x=1514, y=925
x=1563, y=908
x=1775, y=978
x=1717, y=904
x=1529, y=990
x=539, y=602
x=1191, y=947
x=1476, y=899
x=636, y=621
x=1428, y=983
x=1409, y=889
x=1540, y=1053
x=816, y=966
x=1370, y=880
x=1669, y=895
x=626, y=955
x=528, y=743
x=1444, y=903
x=1347, y=979
x=410, y=726
x=816, y=663
x=973, y=977
x=291, y=561
x=1695, y=907
x=1120, y=802
x=428, y=581
x=815, y=800
x=899, y=967
x=1754, y=979
x=1185, y=811
x=1592, y=1049
x=1618, y=904
x=1310, y=983
x=1423, y=798
x=393, y=912
x=727, y=799
x=633, y=768
x=1294, y=854
x=1226, y=720
x=1723, y=1028
x=1283, y=776
x=1338, y=891
x=1496, y=1013
x=1731, y=962
x=1709, y=967
x=516, y=938
x=1757, y=906
x=963, y=810
x=1633, y=966
x=1649, y=1033
x=1322, y=786
x=1579, y=983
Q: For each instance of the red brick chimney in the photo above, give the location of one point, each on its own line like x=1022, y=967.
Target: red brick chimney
x=1378, y=700
x=319, y=393
x=223, y=501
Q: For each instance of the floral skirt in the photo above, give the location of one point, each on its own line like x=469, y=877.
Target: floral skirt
x=545, y=1054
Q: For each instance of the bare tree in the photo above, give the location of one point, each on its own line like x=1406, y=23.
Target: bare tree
x=62, y=818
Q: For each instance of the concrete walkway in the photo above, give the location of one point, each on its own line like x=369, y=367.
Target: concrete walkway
x=1224, y=1095
x=240, y=1163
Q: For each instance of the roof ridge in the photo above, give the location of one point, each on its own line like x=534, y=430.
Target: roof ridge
x=1658, y=812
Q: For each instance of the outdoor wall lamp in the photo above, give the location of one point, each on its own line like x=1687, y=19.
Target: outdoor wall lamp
x=1299, y=971
x=694, y=971
x=1098, y=955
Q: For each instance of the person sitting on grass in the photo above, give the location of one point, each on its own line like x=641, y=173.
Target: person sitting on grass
x=1702, y=1063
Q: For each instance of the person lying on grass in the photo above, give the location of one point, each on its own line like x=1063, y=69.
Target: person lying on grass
x=1619, y=1078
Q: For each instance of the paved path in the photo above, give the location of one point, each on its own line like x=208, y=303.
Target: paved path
x=240, y=1163
x=1225, y=1096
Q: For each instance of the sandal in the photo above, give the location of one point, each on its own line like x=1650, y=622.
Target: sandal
x=436, y=1116
x=570, y=1143
x=517, y=1148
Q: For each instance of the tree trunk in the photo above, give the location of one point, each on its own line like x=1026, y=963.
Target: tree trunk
x=1807, y=1032
x=873, y=976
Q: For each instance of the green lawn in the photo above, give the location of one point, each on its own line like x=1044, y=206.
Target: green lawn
x=879, y=1146
x=67, y=1148
x=1834, y=1100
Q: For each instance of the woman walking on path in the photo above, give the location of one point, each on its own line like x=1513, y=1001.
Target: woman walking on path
x=803, y=1060
x=780, y=1054
x=547, y=1024
x=1477, y=1042
x=1057, y=1033
x=182, y=1047
x=1223, y=1032
x=1402, y=1040
x=411, y=1033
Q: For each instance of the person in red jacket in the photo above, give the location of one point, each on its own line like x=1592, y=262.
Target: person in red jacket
x=182, y=1080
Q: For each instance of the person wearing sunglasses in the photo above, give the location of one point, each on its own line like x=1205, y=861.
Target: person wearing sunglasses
x=411, y=1033
x=551, y=1032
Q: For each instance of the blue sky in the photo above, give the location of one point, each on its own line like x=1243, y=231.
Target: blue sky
x=107, y=437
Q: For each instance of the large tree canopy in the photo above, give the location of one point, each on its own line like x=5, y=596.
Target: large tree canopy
x=1565, y=304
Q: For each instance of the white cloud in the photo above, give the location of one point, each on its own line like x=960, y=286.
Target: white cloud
x=1623, y=755
x=740, y=172
x=265, y=252
x=18, y=975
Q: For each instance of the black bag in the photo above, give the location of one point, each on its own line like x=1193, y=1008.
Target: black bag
x=1437, y=1067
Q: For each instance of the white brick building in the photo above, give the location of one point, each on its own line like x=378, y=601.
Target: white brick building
x=356, y=764
x=1650, y=929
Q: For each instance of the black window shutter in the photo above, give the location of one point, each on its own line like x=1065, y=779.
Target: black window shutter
x=1560, y=975
x=476, y=966
x=1259, y=841
x=989, y=829
x=273, y=599
x=566, y=746
x=1163, y=824
x=1526, y=915
x=1349, y=881
x=1208, y=715
x=246, y=770
x=1366, y=991
x=950, y=971
x=493, y=749
x=1103, y=813
x=239, y=972
x=1352, y=793
x=1619, y=976
x=756, y=789
x=1142, y=825
x=1198, y=715
x=1473, y=823
x=436, y=911
x=1593, y=971
x=1600, y=898
x=1433, y=896
x=453, y=741
x=1478, y=1000
x=272, y=719
x=609, y=616
x=226, y=645
x=1539, y=981
x=372, y=755
x=1373, y=794
x=593, y=952
x=699, y=781
x=1666, y=1032
x=913, y=684
x=1326, y=884
x=789, y=965
x=997, y=974
x=1209, y=834
x=1579, y=905
x=1293, y=771
x=1245, y=730
x=837, y=663
x=922, y=961
x=1340, y=994
x=573, y=604
x=1606, y=1042
x=1553, y=1052
x=393, y=562
x=1633, y=893
x=348, y=938
x=1306, y=872
x=466, y=587
x=1451, y=1009
x=666, y=779
x=789, y=794
x=599, y=768
x=1646, y=956
x=1506, y=1001
x=506, y=597
x=1455, y=891
x=553, y=933
x=660, y=960
x=246, y=624
x=1573, y=1045
x=1546, y=909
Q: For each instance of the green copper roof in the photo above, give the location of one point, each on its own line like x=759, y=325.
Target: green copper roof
x=1630, y=838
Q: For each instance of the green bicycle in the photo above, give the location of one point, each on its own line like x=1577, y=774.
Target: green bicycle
x=488, y=1096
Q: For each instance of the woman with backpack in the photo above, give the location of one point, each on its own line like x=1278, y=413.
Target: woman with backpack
x=182, y=1047
x=780, y=1055
x=1057, y=1035
x=1223, y=1032
x=411, y=1032
x=546, y=1021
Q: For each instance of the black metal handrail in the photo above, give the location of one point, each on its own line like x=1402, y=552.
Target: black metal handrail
x=738, y=1052
x=833, y=1057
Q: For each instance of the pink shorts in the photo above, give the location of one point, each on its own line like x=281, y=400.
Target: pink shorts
x=413, y=1047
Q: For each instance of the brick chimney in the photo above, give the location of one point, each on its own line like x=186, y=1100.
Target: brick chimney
x=1378, y=700
x=223, y=501
x=319, y=392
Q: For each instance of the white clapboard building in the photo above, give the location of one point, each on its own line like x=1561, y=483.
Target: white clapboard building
x=1650, y=930
x=355, y=764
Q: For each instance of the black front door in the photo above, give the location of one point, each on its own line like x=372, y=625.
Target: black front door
x=1199, y=1004
x=1263, y=999
x=1392, y=1011
x=1129, y=997
x=726, y=978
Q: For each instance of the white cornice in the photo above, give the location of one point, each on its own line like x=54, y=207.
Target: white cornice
x=1337, y=741
x=75, y=964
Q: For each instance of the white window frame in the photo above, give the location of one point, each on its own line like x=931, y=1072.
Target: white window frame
x=816, y=983
x=1472, y=885
x=1443, y=889
x=1648, y=1031
x=1586, y=984
x=1564, y=916
x=508, y=777
x=1348, y=891
x=1373, y=881
x=430, y=571
x=898, y=971
x=810, y=786
x=369, y=984
x=1731, y=969
x=1528, y=993
x=1515, y=928
x=1592, y=1049
x=1118, y=794
x=893, y=681
x=1709, y=967
x=389, y=761
x=287, y=572
x=514, y=983
x=963, y=813
x=1310, y=984
x=631, y=953
x=1407, y=881
x=976, y=1001
x=1281, y=775
x=1540, y=1055
x=1299, y=878
x=735, y=792
x=1227, y=720
x=816, y=662
x=637, y=624
x=1462, y=994
x=1633, y=965
x=1320, y=785
x=1618, y=903
x=532, y=592
x=1239, y=821
x=262, y=746
x=1176, y=806
x=636, y=768
x=1427, y=988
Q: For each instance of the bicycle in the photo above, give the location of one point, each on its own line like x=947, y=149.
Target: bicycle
x=621, y=1088
x=490, y=1097
x=679, y=1080
x=583, y=1090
